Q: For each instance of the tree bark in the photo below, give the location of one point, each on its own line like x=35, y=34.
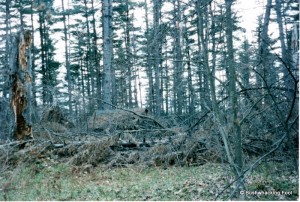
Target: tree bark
x=178, y=66
x=96, y=55
x=156, y=47
x=20, y=71
x=149, y=62
x=232, y=89
x=265, y=66
x=67, y=58
x=286, y=59
x=107, y=56
x=128, y=56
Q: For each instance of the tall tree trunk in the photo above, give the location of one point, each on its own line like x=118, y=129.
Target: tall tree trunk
x=236, y=129
x=265, y=66
x=288, y=81
x=149, y=63
x=178, y=66
x=90, y=60
x=96, y=55
x=128, y=55
x=43, y=57
x=203, y=48
x=67, y=58
x=167, y=80
x=34, y=102
x=136, y=71
x=286, y=59
x=82, y=86
x=156, y=47
x=107, y=55
x=7, y=48
x=190, y=79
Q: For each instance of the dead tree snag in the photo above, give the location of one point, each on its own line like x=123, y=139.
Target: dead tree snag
x=20, y=72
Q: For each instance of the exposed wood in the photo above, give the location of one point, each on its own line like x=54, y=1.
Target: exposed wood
x=20, y=70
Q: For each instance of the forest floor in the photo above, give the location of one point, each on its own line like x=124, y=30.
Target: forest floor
x=130, y=156
x=59, y=181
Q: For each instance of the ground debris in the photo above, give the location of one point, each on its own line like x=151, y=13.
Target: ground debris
x=131, y=137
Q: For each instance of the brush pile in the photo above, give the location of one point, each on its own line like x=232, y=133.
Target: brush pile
x=115, y=138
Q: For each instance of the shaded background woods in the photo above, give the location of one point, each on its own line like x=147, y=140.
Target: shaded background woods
x=186, y=62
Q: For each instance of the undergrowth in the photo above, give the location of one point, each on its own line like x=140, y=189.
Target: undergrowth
x=62, y=182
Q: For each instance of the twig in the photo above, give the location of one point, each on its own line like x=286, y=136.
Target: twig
x=279, y=142
x=15, y=143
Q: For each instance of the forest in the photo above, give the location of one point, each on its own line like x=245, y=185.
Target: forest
x=149, y=100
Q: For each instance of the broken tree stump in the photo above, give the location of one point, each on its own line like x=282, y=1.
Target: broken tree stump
x=20, y=72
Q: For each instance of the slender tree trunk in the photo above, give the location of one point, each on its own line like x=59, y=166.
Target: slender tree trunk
x=33, y=62
x=128, y=55
x=232, y=89
x=190, y=81
x=7, y=47
x=43, y=58
x=265, y=66
x=203, y=48
x=135, y=71
x=90, y=59
x=67, y=58
x=107, y=56
x=96, y=55
x=167, y=80
x=149, y=63
x=82, y=86
x=21, y=14
x=178, y=66
x=288, y=81
x=286, y=59
x=200, y=66
x=156, y=53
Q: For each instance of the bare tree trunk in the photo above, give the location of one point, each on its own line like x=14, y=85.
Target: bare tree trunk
x=178, y=66
x=82, y=86
x=33, y=62
x=107, y=56
x=191, y=98
x=149, y=62
x=236, y=129
x=286, y=59
x=167, y=80
x=156, y=47
x=128, y=56
x=90, y=59
x=96, y=55
x=43, y=63
x=20, y=71
x=67, y=58
x=265, y=66
x=7, y=44
x=203, y=48
x=288, y=81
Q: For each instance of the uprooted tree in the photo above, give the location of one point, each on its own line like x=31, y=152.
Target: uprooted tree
x=20, y=75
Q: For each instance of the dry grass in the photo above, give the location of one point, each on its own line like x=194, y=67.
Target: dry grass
x=48, y=181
